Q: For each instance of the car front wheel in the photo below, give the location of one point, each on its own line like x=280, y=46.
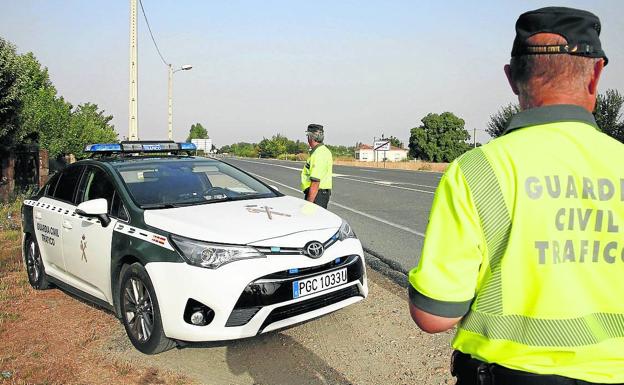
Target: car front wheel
x=140, y=311
x=34, y=266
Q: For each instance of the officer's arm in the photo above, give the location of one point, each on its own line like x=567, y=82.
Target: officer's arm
x=431, y=323
x=314, y=187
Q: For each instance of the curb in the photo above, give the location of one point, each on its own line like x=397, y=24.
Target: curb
x=387, y=267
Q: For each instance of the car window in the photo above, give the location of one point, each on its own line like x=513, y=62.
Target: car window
x=117, y=209
x=51, y=185
x=96, y=184
x=160, y=183
x=66, y=185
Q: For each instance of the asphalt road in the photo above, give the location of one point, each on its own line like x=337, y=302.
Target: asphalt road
x=388, y=209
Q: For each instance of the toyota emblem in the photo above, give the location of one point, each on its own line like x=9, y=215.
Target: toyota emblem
x=314, y=249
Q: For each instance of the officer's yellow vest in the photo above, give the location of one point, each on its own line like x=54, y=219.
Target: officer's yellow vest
x=535, y=227
x=318, y=168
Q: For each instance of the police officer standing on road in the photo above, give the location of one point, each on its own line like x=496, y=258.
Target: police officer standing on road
x=524, y=247
x=316, y=176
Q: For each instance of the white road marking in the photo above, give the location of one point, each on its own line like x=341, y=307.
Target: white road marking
x=386, y=185
x=280, y=165
x=400, y=227
x=383, y=182
x=378, y=183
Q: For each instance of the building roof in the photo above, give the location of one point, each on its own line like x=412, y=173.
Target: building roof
x=368, y=147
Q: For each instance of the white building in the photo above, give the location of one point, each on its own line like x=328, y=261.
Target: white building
x=365, y=153
x=204, y=145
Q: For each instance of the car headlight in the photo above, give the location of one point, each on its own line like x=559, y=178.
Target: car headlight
x=345, y=231
x=211, y=255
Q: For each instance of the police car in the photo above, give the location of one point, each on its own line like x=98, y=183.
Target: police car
x=186, y=248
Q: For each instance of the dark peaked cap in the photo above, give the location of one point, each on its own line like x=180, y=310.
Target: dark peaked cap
x=314, y=128
x=581, y=29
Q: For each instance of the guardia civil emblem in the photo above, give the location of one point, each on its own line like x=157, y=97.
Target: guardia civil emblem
x=264, y=209
x=83, y=248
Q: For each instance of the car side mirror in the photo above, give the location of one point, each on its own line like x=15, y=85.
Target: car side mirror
x=273, y=187
x=95, y=208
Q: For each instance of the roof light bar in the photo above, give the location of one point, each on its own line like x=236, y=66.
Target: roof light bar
x=134, y=147
x=103, y=147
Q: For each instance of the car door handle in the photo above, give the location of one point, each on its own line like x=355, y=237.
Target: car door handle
x=67, y=225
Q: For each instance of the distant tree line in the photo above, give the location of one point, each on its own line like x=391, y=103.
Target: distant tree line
x=279, y=146
x=31, y=110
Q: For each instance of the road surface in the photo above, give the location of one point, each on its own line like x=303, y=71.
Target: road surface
x=388, y=209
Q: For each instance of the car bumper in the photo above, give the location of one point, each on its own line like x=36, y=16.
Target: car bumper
x=254, y=296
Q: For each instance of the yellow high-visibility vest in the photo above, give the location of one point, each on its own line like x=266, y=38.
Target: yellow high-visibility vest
x=318, y=168
x=526, y=242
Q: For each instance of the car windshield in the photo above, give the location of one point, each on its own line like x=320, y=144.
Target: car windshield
x=165, y=183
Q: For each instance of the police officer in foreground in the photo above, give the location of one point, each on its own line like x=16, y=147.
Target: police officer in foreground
x=316, y=176
x=525, y=249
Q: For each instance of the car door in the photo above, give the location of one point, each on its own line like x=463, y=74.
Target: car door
x=86, y=242
x=48, y=217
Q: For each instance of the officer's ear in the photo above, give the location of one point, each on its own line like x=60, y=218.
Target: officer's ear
x=507, y=70
x=592, y=87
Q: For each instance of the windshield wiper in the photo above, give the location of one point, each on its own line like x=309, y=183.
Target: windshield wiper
x=158, y=206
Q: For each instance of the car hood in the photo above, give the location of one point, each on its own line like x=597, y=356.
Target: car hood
x=248, y=221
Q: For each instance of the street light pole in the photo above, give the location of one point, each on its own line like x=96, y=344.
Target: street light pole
x=185, y=67
x=133, y=129
x=170, y=96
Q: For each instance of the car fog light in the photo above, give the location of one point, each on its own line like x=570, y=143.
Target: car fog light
x=197, y=318
x=198, y=314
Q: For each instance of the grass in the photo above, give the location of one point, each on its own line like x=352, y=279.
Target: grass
x=59, y=349
x=403, y=165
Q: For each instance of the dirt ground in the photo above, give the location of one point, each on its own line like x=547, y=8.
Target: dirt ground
x=50, y=337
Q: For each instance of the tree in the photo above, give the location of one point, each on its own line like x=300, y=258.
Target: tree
x=341, y=151
x=500, y=120
x=87, y=125
x=197, y=131
x=608, y=114
x=10, y=100
x=249, y=150
x=440, y=138
x=297, y=147
x=274, y=147
x=43, y=112
x=395, y=142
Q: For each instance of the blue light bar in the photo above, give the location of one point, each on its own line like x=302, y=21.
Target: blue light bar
x=103, y=147
x=140, y=147
x=188, y=146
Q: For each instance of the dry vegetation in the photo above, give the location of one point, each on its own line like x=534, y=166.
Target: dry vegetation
x=411, y=165
x=49, y=337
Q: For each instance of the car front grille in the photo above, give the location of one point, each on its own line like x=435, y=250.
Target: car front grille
x=240, y=317
x=275, y=288
x=298, y=308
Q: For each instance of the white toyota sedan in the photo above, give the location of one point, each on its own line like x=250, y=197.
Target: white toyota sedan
x=185, y=248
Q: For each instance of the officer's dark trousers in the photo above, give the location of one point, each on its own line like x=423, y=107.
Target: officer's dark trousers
x=470, y=371
x=322, y=197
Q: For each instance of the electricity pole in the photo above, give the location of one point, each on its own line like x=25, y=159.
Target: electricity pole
x=133, y=129
x=474, y=138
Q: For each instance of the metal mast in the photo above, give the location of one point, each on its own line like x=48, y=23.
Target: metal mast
x=133, y=129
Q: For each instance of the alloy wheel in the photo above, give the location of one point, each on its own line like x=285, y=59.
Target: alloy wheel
x=139, y=310
x=33, y=262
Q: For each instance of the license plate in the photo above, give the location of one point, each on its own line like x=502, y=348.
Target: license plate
x=318, y=283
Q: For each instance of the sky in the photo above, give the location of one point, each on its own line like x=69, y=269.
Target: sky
x=360, y=68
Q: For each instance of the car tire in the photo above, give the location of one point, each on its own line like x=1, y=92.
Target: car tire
x=37, y=276
x=140, y=312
